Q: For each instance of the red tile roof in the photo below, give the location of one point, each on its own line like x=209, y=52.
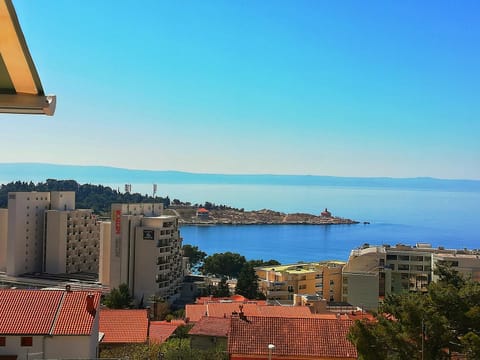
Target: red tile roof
x=194, y=312
x=74, y=317
x=124, y=326
x=52, y=312
x=295, y=337
x=160, y=331
x=211, y=326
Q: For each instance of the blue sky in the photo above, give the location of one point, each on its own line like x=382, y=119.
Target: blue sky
x=345, y=88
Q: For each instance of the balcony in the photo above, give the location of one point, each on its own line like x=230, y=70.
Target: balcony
x=277, y=293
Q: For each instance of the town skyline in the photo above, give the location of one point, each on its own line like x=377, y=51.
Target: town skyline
x=357, y=90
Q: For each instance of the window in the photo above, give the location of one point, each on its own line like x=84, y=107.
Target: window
x=2, y=341
x=404, y=257
x=391, y=257
x=26, y=341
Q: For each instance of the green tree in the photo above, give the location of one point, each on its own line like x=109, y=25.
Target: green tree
x=222, y=289
x=247, y=282
x=223, y=264
x=119, y=298
x=194, y=254
x=259, y=263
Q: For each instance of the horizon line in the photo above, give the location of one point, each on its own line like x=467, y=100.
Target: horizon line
x=243, y=174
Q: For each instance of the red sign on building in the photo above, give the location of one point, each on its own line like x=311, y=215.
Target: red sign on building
x=118, y=215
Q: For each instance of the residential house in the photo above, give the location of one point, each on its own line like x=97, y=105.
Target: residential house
x=123, y=326
x=210, y=333
x=276, y=338
x=160, y=331
x=49, y=324
x=194, y=312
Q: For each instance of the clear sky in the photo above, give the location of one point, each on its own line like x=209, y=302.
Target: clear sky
x=344, y=88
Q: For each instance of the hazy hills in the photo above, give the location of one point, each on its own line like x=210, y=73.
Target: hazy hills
x=109, y=175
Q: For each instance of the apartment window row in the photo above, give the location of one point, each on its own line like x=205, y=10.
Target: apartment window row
x=24, y=341
x=408, y=257
x=409, y=267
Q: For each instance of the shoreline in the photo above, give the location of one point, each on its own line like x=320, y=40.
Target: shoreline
x=212, y=217
x=269, y=223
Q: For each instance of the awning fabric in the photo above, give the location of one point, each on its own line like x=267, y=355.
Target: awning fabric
x=21, y=91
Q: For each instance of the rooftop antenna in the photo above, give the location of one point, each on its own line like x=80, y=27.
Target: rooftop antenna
x=154, y=192
x=128, y=190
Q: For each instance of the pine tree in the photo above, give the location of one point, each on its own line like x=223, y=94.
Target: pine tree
x=247, y=282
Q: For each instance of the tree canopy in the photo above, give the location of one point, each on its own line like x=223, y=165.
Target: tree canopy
x=223, y=264
x=429, y=326
x=87, y=196
x=222, y=289
x=119, y=298
x=247, y=283
x=194, y=254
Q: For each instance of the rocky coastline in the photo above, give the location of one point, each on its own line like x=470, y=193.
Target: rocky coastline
x=203, y=217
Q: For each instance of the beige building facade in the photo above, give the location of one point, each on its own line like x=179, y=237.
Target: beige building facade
x=373, y=272
x=45, y=233
x=141, y=247
x=72, y=241
x=3, y=239
x=25, y=231
x=280, y=283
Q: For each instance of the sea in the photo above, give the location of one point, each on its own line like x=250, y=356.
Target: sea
x=387, y=216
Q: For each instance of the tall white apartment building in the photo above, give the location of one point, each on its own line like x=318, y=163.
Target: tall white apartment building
x=72, y=241
x=3, y=239
x=25, y=231
x=141, y=247
x=45, y=233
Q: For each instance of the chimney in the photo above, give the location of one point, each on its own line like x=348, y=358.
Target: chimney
x=68, y=288
x=90, y=305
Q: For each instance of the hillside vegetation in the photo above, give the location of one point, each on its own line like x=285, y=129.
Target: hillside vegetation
x=87, y=196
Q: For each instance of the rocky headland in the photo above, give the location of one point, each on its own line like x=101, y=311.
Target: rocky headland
x=202, y=216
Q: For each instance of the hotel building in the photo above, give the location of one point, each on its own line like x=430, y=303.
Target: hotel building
x=141, y=247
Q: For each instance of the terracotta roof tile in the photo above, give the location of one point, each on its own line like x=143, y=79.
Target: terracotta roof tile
x=194, y=312
x=74, y=318
x=53, y=312
x=211, y=326
x=160, y=331
x=302, y=337
x=28, y=311
x=124, y=326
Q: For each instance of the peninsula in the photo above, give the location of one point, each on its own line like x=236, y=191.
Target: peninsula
x=189, y=215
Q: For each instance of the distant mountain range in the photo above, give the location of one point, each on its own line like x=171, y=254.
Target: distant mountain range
x=109, y=175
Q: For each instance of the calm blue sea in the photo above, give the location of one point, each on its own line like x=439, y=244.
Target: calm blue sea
x=449, y=219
